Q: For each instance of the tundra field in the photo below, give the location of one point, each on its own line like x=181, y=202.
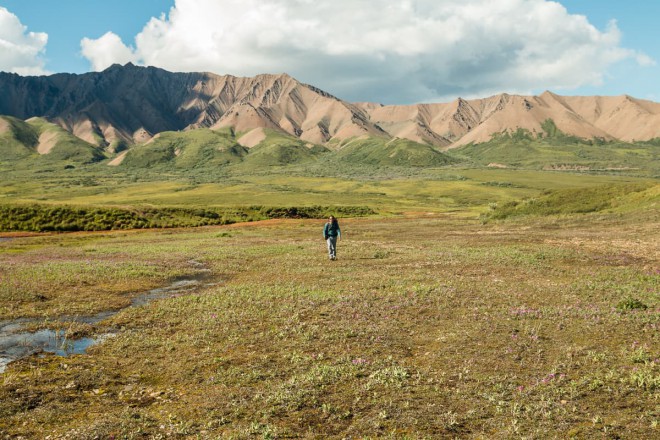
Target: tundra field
x=527, y=322
x=163, y=273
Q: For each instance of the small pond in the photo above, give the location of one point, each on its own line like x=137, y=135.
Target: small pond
x=16, y=343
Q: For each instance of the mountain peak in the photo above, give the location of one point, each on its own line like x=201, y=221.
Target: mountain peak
x=284, y=76
x=117, y=66
x=131, y=103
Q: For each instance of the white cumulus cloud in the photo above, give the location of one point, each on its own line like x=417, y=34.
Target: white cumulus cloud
x=20, y=51
x=379, y=50
x=107, y=50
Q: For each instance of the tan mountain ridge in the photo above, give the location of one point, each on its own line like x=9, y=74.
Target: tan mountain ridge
x=131, y=104
x=278, y=102
x=462, y=122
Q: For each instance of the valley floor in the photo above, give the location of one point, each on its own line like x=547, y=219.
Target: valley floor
x=429, y=326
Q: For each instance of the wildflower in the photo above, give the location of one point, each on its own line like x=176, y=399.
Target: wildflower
x=522, y=312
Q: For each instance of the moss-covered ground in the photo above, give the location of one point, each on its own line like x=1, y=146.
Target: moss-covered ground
x=427, y=326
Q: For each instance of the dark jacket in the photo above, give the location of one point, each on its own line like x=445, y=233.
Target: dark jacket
x=331, y=230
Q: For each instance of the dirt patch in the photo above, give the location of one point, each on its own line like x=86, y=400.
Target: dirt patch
x=566, y=168
x=118, y=160
x=252, y=138
x=47, y=141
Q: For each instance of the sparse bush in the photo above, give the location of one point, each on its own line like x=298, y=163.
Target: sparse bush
x=380, y=254
x=646, y=379
x=631, y=304
x=44, y=218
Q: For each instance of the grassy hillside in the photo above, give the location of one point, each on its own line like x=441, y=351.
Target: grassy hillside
x=186, y=150
x=204, y=148
x=391, y=152
x=204, y=169
x=280, y=150
x=20, y=141
x=210, y=150
x=65, y=146
x=553, y=150
x=17, y=139
x=624, y=198
x=215, y=154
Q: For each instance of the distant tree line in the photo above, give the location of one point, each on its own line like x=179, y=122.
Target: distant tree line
x=62, y=218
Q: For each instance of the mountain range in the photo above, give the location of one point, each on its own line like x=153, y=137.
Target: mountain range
x=127, y=105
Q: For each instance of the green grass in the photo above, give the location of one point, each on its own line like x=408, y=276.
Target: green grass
x=68, y=148
x=186, y=150
x=20, y=142
x=427, y=327
x=554, y=150
x=202, y=169
x=391, y=152
x=208, y=154
x=281, y=150
x=386, y=190
x=206, y=150
x=613, y=198
x=63, y=218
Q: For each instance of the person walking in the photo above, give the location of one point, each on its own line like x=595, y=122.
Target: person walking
x=331, y=233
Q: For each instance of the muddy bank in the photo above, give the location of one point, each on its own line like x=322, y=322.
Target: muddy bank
x=16, y=342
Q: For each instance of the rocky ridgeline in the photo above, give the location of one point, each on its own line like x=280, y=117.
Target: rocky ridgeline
x=130, y=104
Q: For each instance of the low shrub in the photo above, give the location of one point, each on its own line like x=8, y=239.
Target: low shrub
x=631, y=304
x=45, y=218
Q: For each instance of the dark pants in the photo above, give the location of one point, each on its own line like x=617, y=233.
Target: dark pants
x=332, y=247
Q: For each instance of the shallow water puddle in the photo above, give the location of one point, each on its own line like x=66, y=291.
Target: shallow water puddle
x=16, y=343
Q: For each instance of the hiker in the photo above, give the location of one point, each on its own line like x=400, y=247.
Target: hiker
x=331, y=233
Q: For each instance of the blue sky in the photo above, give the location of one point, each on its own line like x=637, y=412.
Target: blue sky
x=638, y=22
x=67, y=22
x=391, y=52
